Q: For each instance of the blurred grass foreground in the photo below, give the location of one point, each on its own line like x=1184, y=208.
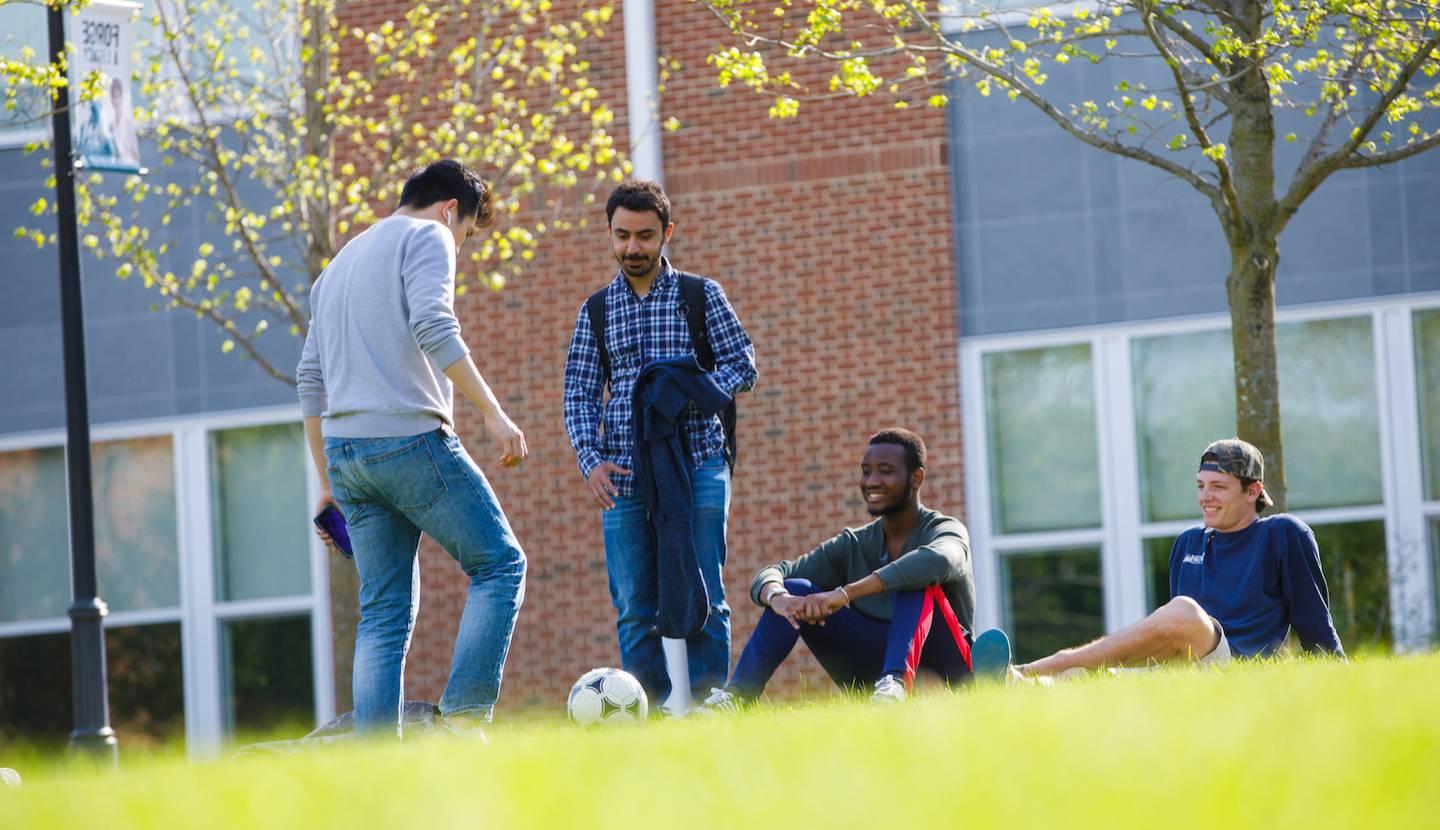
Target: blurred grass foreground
x=1287, y=743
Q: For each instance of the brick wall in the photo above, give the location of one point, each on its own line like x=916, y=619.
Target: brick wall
x=832, y=237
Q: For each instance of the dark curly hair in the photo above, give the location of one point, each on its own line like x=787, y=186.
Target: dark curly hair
x=449, y=179
x=914, y=445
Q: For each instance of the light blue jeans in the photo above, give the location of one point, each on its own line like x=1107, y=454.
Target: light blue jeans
x=635, y=590
x=391, y=490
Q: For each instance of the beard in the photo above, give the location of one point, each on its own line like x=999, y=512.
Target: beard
x=636, y=266
x=906, y=496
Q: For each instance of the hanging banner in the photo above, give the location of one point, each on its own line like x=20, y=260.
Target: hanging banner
x=103, y=34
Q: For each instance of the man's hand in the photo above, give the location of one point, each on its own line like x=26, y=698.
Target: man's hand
x=788, y=606
x=601, y=487
x=819, y=606
x=327, y=499
x=511, y=440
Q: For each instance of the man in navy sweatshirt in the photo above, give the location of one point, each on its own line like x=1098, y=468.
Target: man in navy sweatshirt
x=1239, y=583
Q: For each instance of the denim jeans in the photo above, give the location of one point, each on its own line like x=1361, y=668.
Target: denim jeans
x=391, y=490
x=634, y=586
x=856, y=650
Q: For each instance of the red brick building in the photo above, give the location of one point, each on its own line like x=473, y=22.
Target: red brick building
x=832, y=236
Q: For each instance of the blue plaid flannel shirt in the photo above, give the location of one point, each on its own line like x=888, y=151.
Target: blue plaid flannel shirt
x=639, y=330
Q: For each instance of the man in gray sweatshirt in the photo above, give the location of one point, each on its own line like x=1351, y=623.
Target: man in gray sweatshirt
x=376, y=380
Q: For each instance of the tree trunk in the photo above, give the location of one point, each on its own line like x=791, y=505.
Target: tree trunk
x=1251, y=290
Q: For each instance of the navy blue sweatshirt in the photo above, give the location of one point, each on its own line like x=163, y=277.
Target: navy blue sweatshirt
x=663, y=393
x=1259, y=583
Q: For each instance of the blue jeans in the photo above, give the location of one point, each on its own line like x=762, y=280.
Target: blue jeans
x=391, y=490
x=856, y=650
x=635, y=590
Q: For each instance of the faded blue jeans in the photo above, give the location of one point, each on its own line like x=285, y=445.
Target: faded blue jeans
x=391, y=490
x=635, y=590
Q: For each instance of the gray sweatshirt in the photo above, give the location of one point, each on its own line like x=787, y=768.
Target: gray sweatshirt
x=382, y=331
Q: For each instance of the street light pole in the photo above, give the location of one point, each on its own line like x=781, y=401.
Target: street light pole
x=92, y=733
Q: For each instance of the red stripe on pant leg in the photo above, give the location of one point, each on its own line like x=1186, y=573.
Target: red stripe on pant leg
x=917, y=639
x=937, y=596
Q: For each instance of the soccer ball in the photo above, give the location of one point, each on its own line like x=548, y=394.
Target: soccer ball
x=607, y=696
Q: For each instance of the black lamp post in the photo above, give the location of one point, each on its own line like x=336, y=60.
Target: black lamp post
x=92, y=731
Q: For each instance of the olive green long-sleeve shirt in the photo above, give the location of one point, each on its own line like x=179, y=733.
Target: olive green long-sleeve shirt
x=937, y=552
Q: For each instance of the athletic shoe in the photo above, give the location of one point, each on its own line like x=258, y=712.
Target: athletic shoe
x=720, y=702
x=466, y=727
x=888, y=689
x=990, y=656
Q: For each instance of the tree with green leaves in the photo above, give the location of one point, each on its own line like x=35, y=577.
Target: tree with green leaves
x=1360, y=75
x=290, y=129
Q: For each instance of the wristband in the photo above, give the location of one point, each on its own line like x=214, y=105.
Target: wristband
x=844, y=593
x=770, y=597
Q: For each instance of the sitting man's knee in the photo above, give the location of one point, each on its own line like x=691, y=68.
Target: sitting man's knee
x=800, y=587
x=1188, y=625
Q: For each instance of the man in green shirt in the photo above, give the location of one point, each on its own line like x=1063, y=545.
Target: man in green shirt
x=867, y=601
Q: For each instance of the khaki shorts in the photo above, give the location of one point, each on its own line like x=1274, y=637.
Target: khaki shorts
x=1220, y=654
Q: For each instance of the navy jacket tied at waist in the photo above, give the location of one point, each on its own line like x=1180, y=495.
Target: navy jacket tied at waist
x=662, y=477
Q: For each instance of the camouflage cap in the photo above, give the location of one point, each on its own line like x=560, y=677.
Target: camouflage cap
x=1240, y=459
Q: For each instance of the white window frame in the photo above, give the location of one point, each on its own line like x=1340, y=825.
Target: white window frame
x=200, y=614
x=1122, y=533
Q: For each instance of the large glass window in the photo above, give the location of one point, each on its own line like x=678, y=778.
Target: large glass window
x=34, y=535
x=137, y=557
x=1157, y=570
x=1352, y=555
x=1184, y=399
x=136, y=552
x=23, y=37
x=1329, y=416
x=260, y=512
x=1053, y=600
x=143, y=666
x=269, y=683
x=1427, y=371
x=1044, y=465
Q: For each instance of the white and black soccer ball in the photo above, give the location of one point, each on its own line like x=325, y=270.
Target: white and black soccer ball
x=607, y=696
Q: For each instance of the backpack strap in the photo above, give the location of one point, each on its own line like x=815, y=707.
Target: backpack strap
x=693, y=303
x=595, y=308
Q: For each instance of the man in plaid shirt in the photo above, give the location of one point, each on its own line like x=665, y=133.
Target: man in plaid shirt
x=644, y=322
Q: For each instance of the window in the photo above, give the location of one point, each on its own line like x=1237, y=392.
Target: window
x=268, y=679
x=1157, y=570
x=1352, y=557
x=1040, y=406
x=240, y=611
x=136, y=551
x=1329, y=415
x=24, y=28
x=1053, y=600
x=259, y=500
x=1427, y=371
x=143, y=666
x=1184, y=388
x=1090, y=445
x=1184, y=398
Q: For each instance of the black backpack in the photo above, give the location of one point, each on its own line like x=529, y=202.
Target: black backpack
x=692, y=305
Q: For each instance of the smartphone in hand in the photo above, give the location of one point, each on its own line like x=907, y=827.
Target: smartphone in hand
x=332, y=522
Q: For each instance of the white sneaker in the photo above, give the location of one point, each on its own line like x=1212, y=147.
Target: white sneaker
x=888, y=689
x=720, y=702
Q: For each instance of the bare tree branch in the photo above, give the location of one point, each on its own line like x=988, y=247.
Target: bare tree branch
x=1400, y=154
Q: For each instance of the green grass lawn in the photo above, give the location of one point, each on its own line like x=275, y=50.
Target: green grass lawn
x=1295, y=743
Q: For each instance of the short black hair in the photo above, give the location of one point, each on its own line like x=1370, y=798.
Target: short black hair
x=914, y=445
x=639, y=195
x=445, y=180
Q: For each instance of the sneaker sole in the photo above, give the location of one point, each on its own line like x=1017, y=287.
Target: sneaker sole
x=990, y=656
